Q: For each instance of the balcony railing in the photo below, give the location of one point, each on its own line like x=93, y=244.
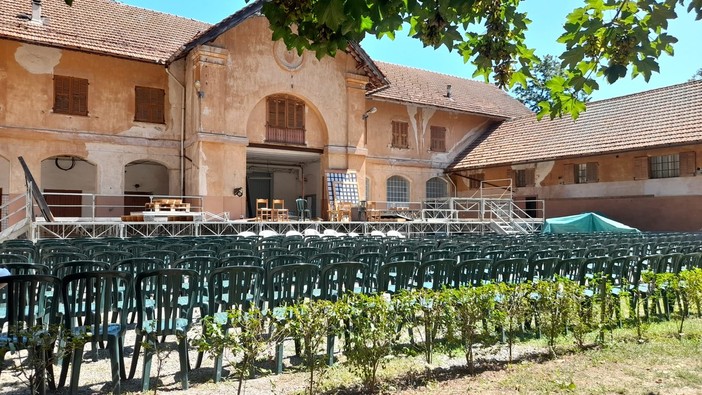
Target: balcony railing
x=285, y=135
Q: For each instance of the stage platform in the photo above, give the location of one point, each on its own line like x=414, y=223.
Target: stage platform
x=85, y=228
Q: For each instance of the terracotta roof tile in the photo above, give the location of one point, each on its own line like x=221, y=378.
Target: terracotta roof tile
x=660, y=117
x=101, y=26
x=423, y=87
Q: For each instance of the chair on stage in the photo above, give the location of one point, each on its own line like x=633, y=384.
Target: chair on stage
x=263, y=212
x=303, y=213
x=280, y=213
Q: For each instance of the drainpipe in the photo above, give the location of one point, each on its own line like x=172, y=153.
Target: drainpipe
x=182, y=134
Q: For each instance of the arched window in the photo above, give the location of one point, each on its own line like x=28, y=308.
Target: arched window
x=285, y=120
x=397, y=190
x=437, y=188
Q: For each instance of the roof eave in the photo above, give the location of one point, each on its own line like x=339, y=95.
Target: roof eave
x=495, y=117
x=85, y=50
x=564, y=157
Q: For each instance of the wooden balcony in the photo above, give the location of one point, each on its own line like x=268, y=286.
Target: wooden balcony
x=285, y=135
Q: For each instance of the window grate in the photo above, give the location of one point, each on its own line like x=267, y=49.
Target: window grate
x=665, y=166
x=397, y=190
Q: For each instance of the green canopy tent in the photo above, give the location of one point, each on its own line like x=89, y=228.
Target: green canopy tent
x=584, y=223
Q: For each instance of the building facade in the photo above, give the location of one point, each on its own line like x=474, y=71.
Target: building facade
x=112, y=102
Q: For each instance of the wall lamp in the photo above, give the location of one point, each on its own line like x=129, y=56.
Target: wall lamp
x=198, y=89
x=370, y=111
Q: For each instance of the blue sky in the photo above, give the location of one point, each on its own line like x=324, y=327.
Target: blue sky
x=548, y=17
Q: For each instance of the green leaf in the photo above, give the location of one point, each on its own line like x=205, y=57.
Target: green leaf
x=614, y=72
x=331, y=13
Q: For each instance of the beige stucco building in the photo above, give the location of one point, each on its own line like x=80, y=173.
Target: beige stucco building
x=108, y=100
x=178, y=107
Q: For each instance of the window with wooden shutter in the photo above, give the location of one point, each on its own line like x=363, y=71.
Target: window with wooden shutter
x=530, y=175
x=438, y=139
x=149, y=104
x=641, y=168
x=570, y=173
x=400, y=131
x=592, y=171
x=584, y=173
x=664, y=166
x=688, y=164
x=285, y=121
x=70, y=95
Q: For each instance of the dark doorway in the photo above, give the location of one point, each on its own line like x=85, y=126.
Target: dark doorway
x=259, y=187
x=531, y=207
x=63, y=205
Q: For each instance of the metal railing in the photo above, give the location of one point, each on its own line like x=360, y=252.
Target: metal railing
x=100, y=207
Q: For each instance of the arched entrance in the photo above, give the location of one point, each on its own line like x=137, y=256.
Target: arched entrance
x=65, y=179
x=143, y=178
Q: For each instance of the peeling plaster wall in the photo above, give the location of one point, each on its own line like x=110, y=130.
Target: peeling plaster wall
x=543, y=169
x=37, y=60
x=418, y=163
x=108, y=137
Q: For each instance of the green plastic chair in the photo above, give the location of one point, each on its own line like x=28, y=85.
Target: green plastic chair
x=17, y=269
x=65, y=268
x=303, y=212
x=232, y=287
x=93, y=304
x=13, y=258
x=241, y=260
x=286, y=285
x=436, y=274
x=373, y=260
x=24, y=304
x=165, y=256
x=54, y=259
x=165, y=309
x=510, y=271
x=327, y=258
x=396, y=276
x=203, y=266
x=29, y=252
x=342, y=277
x=337, y=279
x=111, y=256
x=433, y=255
x=471, y=272
x=135, y=266
x=542, y=268
x=573, y=269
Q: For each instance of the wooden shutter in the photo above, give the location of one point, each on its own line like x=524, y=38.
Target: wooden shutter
x=593, y=172
x=570, y=173
x=62, y=93
x=148, y=104
x=688, y=164
x=530, y=177
x=641, y=168
x=79, y=96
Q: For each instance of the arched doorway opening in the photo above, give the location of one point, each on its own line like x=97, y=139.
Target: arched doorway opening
x=65, y=181
x=143, y=178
